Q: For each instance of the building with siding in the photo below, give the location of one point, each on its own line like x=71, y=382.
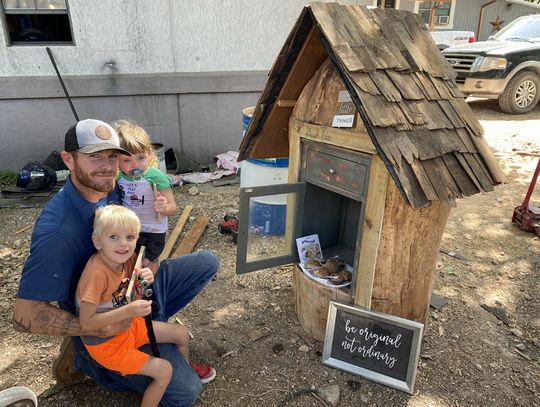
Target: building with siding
x=184, y=70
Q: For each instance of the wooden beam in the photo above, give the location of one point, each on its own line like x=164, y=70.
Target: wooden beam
x=528, y=153
x=273, y=138
x=371, y=232
x=339, y=137
x=192, y=236
x=286, y=103
x=130, y=292
x=175, y=233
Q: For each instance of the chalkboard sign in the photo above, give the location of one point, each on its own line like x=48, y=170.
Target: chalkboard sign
x=377, y=346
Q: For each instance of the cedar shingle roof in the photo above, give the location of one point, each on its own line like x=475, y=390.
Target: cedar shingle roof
x=405, y=93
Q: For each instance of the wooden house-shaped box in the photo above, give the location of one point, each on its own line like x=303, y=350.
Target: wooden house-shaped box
x=379, y=191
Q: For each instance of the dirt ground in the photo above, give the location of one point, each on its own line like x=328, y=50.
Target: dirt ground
x=468, y=357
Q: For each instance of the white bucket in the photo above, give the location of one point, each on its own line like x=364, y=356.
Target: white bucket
x=267, y=213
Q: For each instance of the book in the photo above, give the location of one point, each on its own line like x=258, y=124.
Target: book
x=309, y=247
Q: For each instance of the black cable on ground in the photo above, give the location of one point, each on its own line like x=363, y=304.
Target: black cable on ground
x=296, y=394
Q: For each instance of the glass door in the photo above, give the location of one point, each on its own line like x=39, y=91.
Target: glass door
x=270, y=220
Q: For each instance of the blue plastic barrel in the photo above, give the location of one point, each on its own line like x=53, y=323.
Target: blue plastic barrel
x=267, y=214
x=246, y=118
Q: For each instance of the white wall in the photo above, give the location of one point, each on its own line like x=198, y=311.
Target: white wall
x=145, y=36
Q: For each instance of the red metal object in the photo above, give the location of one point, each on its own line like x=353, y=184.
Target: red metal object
x=229, y=225
x=526, y=216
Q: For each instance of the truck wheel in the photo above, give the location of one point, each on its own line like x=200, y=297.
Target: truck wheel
x=521, y=94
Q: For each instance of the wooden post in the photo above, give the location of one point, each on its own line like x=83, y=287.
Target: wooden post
x=175, y=233
x=371, y=232
x=130, y=292
x=192, y=236
x=407, y=256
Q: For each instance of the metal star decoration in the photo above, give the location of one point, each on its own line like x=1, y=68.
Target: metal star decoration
x=497, y=24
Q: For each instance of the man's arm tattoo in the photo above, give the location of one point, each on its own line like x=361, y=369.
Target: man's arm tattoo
x=47, y=319
x=20, y=327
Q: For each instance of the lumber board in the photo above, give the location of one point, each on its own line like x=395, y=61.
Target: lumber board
x=462, y=179
x=130, y=292
x=193, y=235
x=423, y=179
x=409, y=89
x=386, y=86
x=467, y=168
x=528, y=153
x=441, y=179
x=356, y=141
x=173, y=237
x=483, y=178
x=272, y=140
x=371, y=232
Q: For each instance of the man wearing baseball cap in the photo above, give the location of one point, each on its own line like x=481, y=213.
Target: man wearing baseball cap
x=61, y=245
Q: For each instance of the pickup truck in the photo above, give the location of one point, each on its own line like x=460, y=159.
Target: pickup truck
x=445, y=39
x=505, y=67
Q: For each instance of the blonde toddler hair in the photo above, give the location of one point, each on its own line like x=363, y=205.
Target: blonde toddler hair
x=135, y=139
x=111, y=216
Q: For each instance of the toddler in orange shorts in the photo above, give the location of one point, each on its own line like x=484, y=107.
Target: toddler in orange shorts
x=101, y=301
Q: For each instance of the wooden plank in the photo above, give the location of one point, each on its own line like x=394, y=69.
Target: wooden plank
x=192, y=236
x=466, y=138
x=364, y=82
x=415, y=193
x=465, y=165
x=380, y=112
x=286, y=103
x=412, y=113
x=466, y=185
x=442, y=87
x=424, y=181
x=488, y=158
x=435, y=117
x=464, y=111
x=372, y=27
x=173, y=237
x=354, y=140
x=371, y=232
x=442, y=181
x=130, y=292
x=276, y=78
x=409, y=90
x=481, y=172
x=272, y=140
x=429, y=89
x=452, y=115
x=386, y=86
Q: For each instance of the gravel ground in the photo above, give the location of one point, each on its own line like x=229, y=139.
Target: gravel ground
x=468, y=356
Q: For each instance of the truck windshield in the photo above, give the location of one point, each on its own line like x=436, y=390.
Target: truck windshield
x=524, y=28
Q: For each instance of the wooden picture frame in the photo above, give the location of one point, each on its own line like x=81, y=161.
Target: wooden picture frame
x=380, y=347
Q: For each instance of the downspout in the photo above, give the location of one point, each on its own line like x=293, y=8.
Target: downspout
x=481, y=19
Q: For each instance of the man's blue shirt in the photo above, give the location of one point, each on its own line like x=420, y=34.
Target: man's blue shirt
x=61, y=245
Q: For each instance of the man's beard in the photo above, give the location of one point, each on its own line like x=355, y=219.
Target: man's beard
x=91, y=180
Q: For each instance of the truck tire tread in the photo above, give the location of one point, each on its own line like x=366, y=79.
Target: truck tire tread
x=507, y=100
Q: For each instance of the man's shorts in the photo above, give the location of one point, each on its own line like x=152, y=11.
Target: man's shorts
x=121, y=353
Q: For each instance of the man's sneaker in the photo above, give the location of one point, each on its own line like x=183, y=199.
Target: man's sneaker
x=205, y=372
x=64, y=371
